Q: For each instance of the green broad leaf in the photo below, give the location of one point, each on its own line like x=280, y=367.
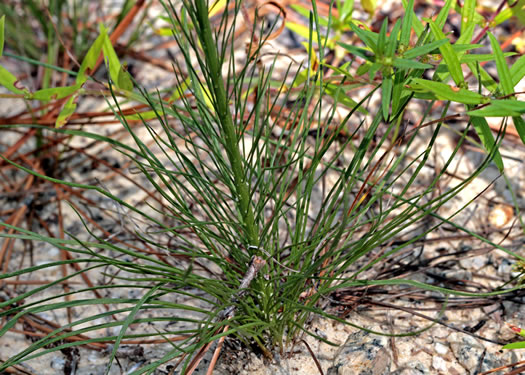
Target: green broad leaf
x=517, y=9
x=450, y=57
x=346, y=10
x=467, y=18
x=66, y=112
x=502, y=16
x=416, y=23
x=361, y=52
x=386, y=91
x=500, y=108
x=424, y=49
x=515, y=345
x=465, y=47
x=493, y=111
x=399, y=92
x=519, y=124
x=339, y=96
x=392, y=40
x=517, y=71
x=445, y=92
x=443, y=15
x=466, y=35
x=404, y=39
x=124, y=80
x=369, y=38
x=2, y=25
x=502, y=67
x=374, y=68
x=363, y=69
x=487, y=139
x=472, y=58
x=410, y=64
x=53, y=93
x=9, y=81
x=110, y=56
x=381, y=39
x=90, y=59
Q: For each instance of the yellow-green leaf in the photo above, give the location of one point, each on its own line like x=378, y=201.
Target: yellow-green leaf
x=91, y=58
x=445, y=92
x=9, y=81
x=515, y=345
x=124, y=80
x=500, y=108
x=53, y=93
x=467, y=18
x=502, y=67
x=179, y=90
x=2, y=24
x=66, y=112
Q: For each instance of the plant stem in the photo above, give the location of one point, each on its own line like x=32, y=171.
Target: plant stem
x=226, y=123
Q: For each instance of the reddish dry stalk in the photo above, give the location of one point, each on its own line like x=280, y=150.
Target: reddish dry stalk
x=216, y=353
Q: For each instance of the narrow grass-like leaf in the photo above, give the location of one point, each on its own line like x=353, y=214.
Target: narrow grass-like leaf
x=127, y=322
x=386, y=91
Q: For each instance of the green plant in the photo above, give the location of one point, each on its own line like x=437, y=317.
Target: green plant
x=262, y=238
